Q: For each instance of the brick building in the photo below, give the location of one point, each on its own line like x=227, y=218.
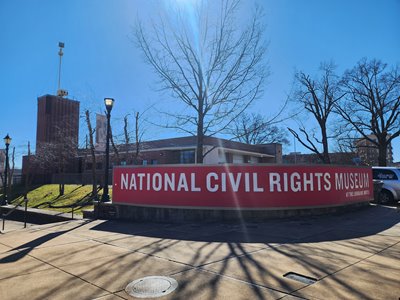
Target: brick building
x=364, y=152
x=337, y=158
x=183, y=151
x=56, y=138
x=57, y=147
x=369, y=153
x=57, y=121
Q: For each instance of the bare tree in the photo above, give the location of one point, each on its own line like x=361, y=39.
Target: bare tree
x=64, y=153
x=139, y=132
x=372, y=102
x=318, y=97
x=345, y=139
x=58, y=156
x=137, y=136
x=214, y=69
x=115, y=148
x=254, y=129
x=30, y=166
x=127, y=138
x=86, y=151
x=93, y=154
x=28, y=171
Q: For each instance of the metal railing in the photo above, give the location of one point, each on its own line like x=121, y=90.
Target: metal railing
x=72, y=212
x=5, y=215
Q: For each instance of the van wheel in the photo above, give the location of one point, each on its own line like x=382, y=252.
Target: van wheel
x=386, y=197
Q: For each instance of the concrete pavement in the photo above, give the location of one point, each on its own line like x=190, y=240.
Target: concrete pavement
x=353, y=255
x=11, y=225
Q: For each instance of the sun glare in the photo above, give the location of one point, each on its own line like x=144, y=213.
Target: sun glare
x=185, y=2
x=182, y=4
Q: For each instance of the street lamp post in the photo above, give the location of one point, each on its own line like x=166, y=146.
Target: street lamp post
x=109, y=102
x=7, y=141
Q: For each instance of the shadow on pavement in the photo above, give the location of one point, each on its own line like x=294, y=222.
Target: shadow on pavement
x=24, y=249
x=367, y=221
x=255, y=267
x=205, y=270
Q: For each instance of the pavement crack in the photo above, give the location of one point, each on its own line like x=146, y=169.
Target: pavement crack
x=69, y=273
x=346, y=267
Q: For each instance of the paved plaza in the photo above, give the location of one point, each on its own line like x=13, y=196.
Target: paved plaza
x=352, y=255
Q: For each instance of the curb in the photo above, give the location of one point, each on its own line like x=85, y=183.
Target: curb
x=37, y=216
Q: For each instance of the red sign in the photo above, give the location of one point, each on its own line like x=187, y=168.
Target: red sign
x=250, y=186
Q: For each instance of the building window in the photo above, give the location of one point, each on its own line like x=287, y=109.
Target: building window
x=187, y=157
x=154, y=162
x=237, y=158
x=144, y=162
x=255, y=160
x=228, y=158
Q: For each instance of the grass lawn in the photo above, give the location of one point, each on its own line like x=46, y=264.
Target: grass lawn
x=47, y=197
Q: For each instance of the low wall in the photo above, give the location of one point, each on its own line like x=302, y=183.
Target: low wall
x=35, y=216
x=234, y=192
x=176, y=215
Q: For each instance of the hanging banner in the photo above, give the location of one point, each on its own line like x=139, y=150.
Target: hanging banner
x=241, y=186
x=101, y=132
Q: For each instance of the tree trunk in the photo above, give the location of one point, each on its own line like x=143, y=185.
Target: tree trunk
x=28, y=171
x=199, y=148
x=200, y=134
x=61, y=173
x=93, y=155
x=116, y=152
x=382, y=154
x=127, y=139
x=137, y=139
x=326, y=159
x=61, y=186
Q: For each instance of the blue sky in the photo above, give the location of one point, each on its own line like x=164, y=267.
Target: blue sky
x=101, y=61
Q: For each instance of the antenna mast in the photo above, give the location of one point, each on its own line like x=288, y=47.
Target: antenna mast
x=60, y=92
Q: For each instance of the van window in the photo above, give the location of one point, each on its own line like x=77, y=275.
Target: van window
x=383, y=174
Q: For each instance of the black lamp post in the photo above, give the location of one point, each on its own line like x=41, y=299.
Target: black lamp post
x=109, y=102
x=7, y=141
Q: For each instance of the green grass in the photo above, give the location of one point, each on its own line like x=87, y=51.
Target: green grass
x=47, y=197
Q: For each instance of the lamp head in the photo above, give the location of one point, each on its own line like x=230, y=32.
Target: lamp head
x=109, y=102
x=7, y=140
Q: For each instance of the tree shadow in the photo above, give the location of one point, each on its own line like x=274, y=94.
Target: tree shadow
x=208, y=252
x=365, y=222
x=274, y=234
x=26, y=248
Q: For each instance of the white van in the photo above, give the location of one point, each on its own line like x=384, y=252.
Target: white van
x=391, y=183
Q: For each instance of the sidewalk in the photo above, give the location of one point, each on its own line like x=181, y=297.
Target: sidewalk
x=354, y=255
x=11, y=225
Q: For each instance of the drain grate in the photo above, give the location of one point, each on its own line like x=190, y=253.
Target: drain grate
x=151, y=287
x=300, y=278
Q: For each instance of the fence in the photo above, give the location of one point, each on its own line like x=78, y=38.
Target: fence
x=16, y=179
x=80, y=178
